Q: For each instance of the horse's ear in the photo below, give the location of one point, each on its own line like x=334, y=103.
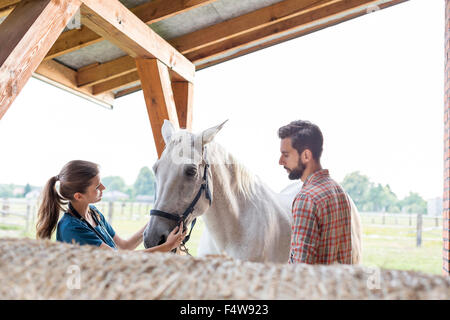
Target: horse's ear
x=209, y=134
x=167, y=131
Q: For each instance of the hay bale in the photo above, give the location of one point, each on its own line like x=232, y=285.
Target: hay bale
x=31, y=269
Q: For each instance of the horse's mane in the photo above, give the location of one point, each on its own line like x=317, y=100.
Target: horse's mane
x=217, y=154
x=245, y=179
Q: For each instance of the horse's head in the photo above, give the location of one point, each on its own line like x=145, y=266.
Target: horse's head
x=180, y=173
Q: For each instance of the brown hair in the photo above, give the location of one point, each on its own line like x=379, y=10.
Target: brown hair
x=74, y=177
x=304, y=135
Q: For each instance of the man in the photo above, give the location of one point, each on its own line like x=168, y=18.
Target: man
x=321, y=229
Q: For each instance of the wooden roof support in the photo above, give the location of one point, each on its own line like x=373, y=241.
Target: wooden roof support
x=106, y=71
x=264, y=25
x=6, y=6
x=116, y=83
x=149, y=12
x=336, y=12
x=183, y=93
x=159, y=98
x=63, y=77
x=246, y=23
x=26, y=35
x=116, y=23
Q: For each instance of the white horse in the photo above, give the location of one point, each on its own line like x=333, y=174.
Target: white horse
x=245, y=220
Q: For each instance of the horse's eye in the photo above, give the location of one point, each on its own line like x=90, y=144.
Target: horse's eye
x=190, y=171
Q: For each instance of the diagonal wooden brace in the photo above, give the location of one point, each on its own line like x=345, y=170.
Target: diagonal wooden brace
x=26, y=35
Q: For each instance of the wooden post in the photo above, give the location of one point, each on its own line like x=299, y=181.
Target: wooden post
x=33, y=214
x=110, y=212
x=410, y=219
x=384, y=218
x=157, y=89
x=27, y=217
x=5, y=207
x=183, y=93
x=419, y=230
x=26, y=35
x=131, y=209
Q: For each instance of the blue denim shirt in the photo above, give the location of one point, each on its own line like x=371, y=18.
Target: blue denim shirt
x=71, y=229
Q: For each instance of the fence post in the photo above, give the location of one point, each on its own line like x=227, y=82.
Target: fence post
x=27, y=217
x=131, y=210
x=33, y=215
x=5, y=207
x=110, y=211
x=410, y=219
x=437, y=221
x=384, y=218
x=419, y=229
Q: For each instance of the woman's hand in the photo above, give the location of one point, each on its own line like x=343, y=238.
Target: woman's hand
x=175, y=237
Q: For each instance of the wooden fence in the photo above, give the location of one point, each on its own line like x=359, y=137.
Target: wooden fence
x=22, y=213
x=414, y=223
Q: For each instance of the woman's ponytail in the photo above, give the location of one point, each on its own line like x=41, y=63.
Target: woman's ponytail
x=48, y=214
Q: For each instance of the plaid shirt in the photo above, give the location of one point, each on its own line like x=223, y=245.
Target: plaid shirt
x=321, y=229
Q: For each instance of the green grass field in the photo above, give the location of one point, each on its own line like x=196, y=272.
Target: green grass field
x=391, y=246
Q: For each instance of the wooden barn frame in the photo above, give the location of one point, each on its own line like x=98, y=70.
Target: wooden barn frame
x=34, y=38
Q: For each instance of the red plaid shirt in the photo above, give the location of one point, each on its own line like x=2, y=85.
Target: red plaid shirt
x=321, y=229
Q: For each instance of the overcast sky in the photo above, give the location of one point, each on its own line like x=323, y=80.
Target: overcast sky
x=374, y=85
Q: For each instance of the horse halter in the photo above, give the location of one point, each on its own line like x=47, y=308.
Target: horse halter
x=175, y=217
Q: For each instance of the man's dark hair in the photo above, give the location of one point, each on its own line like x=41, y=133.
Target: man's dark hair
x=304, y=135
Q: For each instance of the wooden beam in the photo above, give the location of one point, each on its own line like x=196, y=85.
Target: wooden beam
x=246, y=23
x=183, y=93
x=241, y=45
x=342, y=10
x=73, y=40
x=116, y=83
x=127, y=91
x=156, y=85
x=26, y=35
x=215, y=33
x=65, y=78
x=265, y=27
x=116, y=23
x=149, y=13
x=106, y=71
x=8, y=3
x=7, y=6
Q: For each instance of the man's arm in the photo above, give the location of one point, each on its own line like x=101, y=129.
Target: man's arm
x=305, y=231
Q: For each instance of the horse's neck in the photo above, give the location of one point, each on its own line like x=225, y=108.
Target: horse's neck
x=230, y=208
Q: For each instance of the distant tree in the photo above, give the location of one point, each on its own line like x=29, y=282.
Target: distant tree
x=414, y=203
x=376, y=197
x=382, y=199
x=114, y=183
x=357, y=186
x=145, y=182
x=130, y=191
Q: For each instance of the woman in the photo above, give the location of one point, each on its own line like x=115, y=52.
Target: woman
x=80, y=186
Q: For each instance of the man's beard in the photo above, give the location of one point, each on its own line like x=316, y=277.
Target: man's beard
x=297, y=172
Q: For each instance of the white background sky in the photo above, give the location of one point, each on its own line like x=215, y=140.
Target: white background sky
x=374, y=85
